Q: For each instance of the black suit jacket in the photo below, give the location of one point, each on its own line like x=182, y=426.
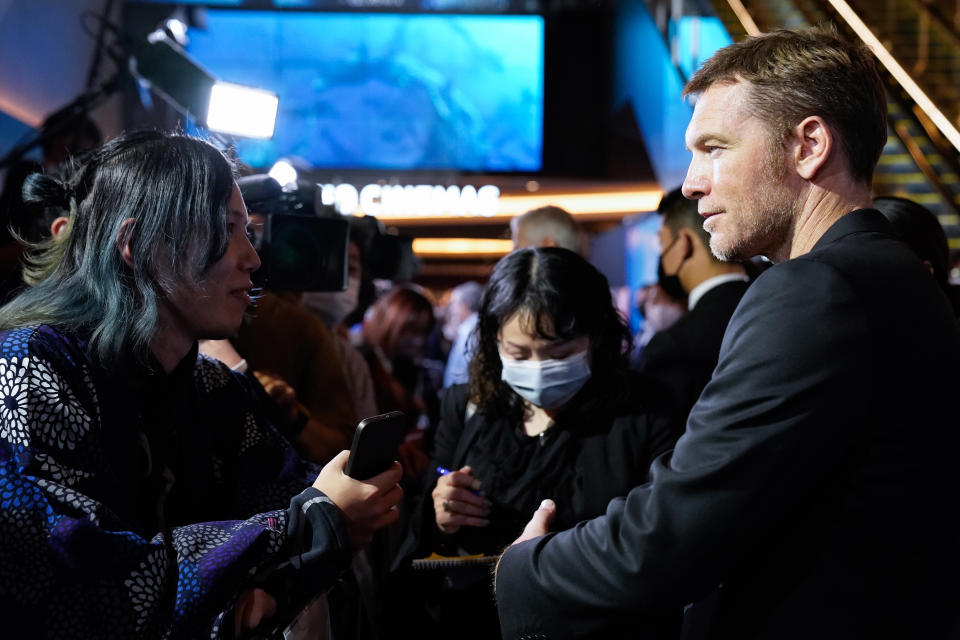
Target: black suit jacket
x=815, y=491
x=684, y=355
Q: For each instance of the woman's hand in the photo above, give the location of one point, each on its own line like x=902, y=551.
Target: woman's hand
x=368, y=505
x=280, y=392
x=456, y=503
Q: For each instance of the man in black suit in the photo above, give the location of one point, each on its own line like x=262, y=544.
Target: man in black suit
x=815, y=491
x=684, y=355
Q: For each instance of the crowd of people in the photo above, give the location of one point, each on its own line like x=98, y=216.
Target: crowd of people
x=773, y=458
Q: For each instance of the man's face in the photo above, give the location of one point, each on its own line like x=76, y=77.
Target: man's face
x=215, y=309
x=738, y=173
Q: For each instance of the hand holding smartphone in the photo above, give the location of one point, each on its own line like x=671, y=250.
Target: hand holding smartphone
x=375, y=445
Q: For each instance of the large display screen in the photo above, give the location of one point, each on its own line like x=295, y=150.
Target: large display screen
x=387, y=91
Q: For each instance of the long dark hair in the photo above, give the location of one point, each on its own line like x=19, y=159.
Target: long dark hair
x=919, y=227
x=563, y=296
x=177, y=188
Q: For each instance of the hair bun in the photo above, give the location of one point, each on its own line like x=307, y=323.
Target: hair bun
x=46, y=190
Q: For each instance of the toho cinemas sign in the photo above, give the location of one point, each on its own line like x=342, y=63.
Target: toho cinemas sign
x=420, y=199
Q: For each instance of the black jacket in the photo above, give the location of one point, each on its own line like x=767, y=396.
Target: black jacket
x=815, y=489
x=684, y=355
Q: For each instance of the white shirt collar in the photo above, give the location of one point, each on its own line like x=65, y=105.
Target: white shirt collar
x=697, y=292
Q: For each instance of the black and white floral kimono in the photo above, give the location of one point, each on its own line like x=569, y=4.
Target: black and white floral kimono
x=140, y=505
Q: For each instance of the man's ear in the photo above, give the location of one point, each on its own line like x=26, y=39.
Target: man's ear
x=548, y=241
x=124, y=237
x=813, y=142
x=686, y=243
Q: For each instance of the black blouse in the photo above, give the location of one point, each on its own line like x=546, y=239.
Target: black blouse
x=582, y=461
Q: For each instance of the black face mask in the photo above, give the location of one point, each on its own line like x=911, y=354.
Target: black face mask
x=670, y=284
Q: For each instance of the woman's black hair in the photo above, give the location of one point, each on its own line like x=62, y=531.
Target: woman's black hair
x=562, y=296
x=917, y=226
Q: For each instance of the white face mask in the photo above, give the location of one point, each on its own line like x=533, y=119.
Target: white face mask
x=548, y=384
x=333, y=306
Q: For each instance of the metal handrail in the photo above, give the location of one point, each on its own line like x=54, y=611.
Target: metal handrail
x=920, y=159
x=934, y=12
x=916, y=154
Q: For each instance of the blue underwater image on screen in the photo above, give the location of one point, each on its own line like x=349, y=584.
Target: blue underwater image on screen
x=387, y=91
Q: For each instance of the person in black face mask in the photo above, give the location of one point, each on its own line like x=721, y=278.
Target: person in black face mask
x=660, y=304
x=551, y=411
x=684, y=355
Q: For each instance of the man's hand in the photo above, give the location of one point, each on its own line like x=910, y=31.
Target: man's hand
x=540, y=522
x=368, y=505
x=539, y=525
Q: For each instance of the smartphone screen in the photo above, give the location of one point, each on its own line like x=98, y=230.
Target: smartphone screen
x=375, y=445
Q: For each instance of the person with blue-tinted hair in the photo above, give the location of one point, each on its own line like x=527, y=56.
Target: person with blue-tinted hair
x=143, y=493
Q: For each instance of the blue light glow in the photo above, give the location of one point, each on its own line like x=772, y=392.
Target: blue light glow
x=387, y=91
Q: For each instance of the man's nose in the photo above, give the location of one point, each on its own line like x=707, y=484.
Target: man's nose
x=695, y=186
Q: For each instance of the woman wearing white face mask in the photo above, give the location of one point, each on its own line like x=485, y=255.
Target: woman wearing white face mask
x=551, y=411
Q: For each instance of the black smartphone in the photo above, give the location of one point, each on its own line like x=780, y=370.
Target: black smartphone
x=375, y=444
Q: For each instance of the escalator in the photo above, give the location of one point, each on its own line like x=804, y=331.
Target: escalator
x=926, y=46
x=918, y=161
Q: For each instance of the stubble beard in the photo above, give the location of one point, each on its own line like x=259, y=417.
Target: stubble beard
x=763, y=226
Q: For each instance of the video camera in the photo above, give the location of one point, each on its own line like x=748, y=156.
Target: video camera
x=303, y=245
x=299, y=250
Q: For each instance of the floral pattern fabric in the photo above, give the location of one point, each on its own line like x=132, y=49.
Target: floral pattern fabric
x=74, y=560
